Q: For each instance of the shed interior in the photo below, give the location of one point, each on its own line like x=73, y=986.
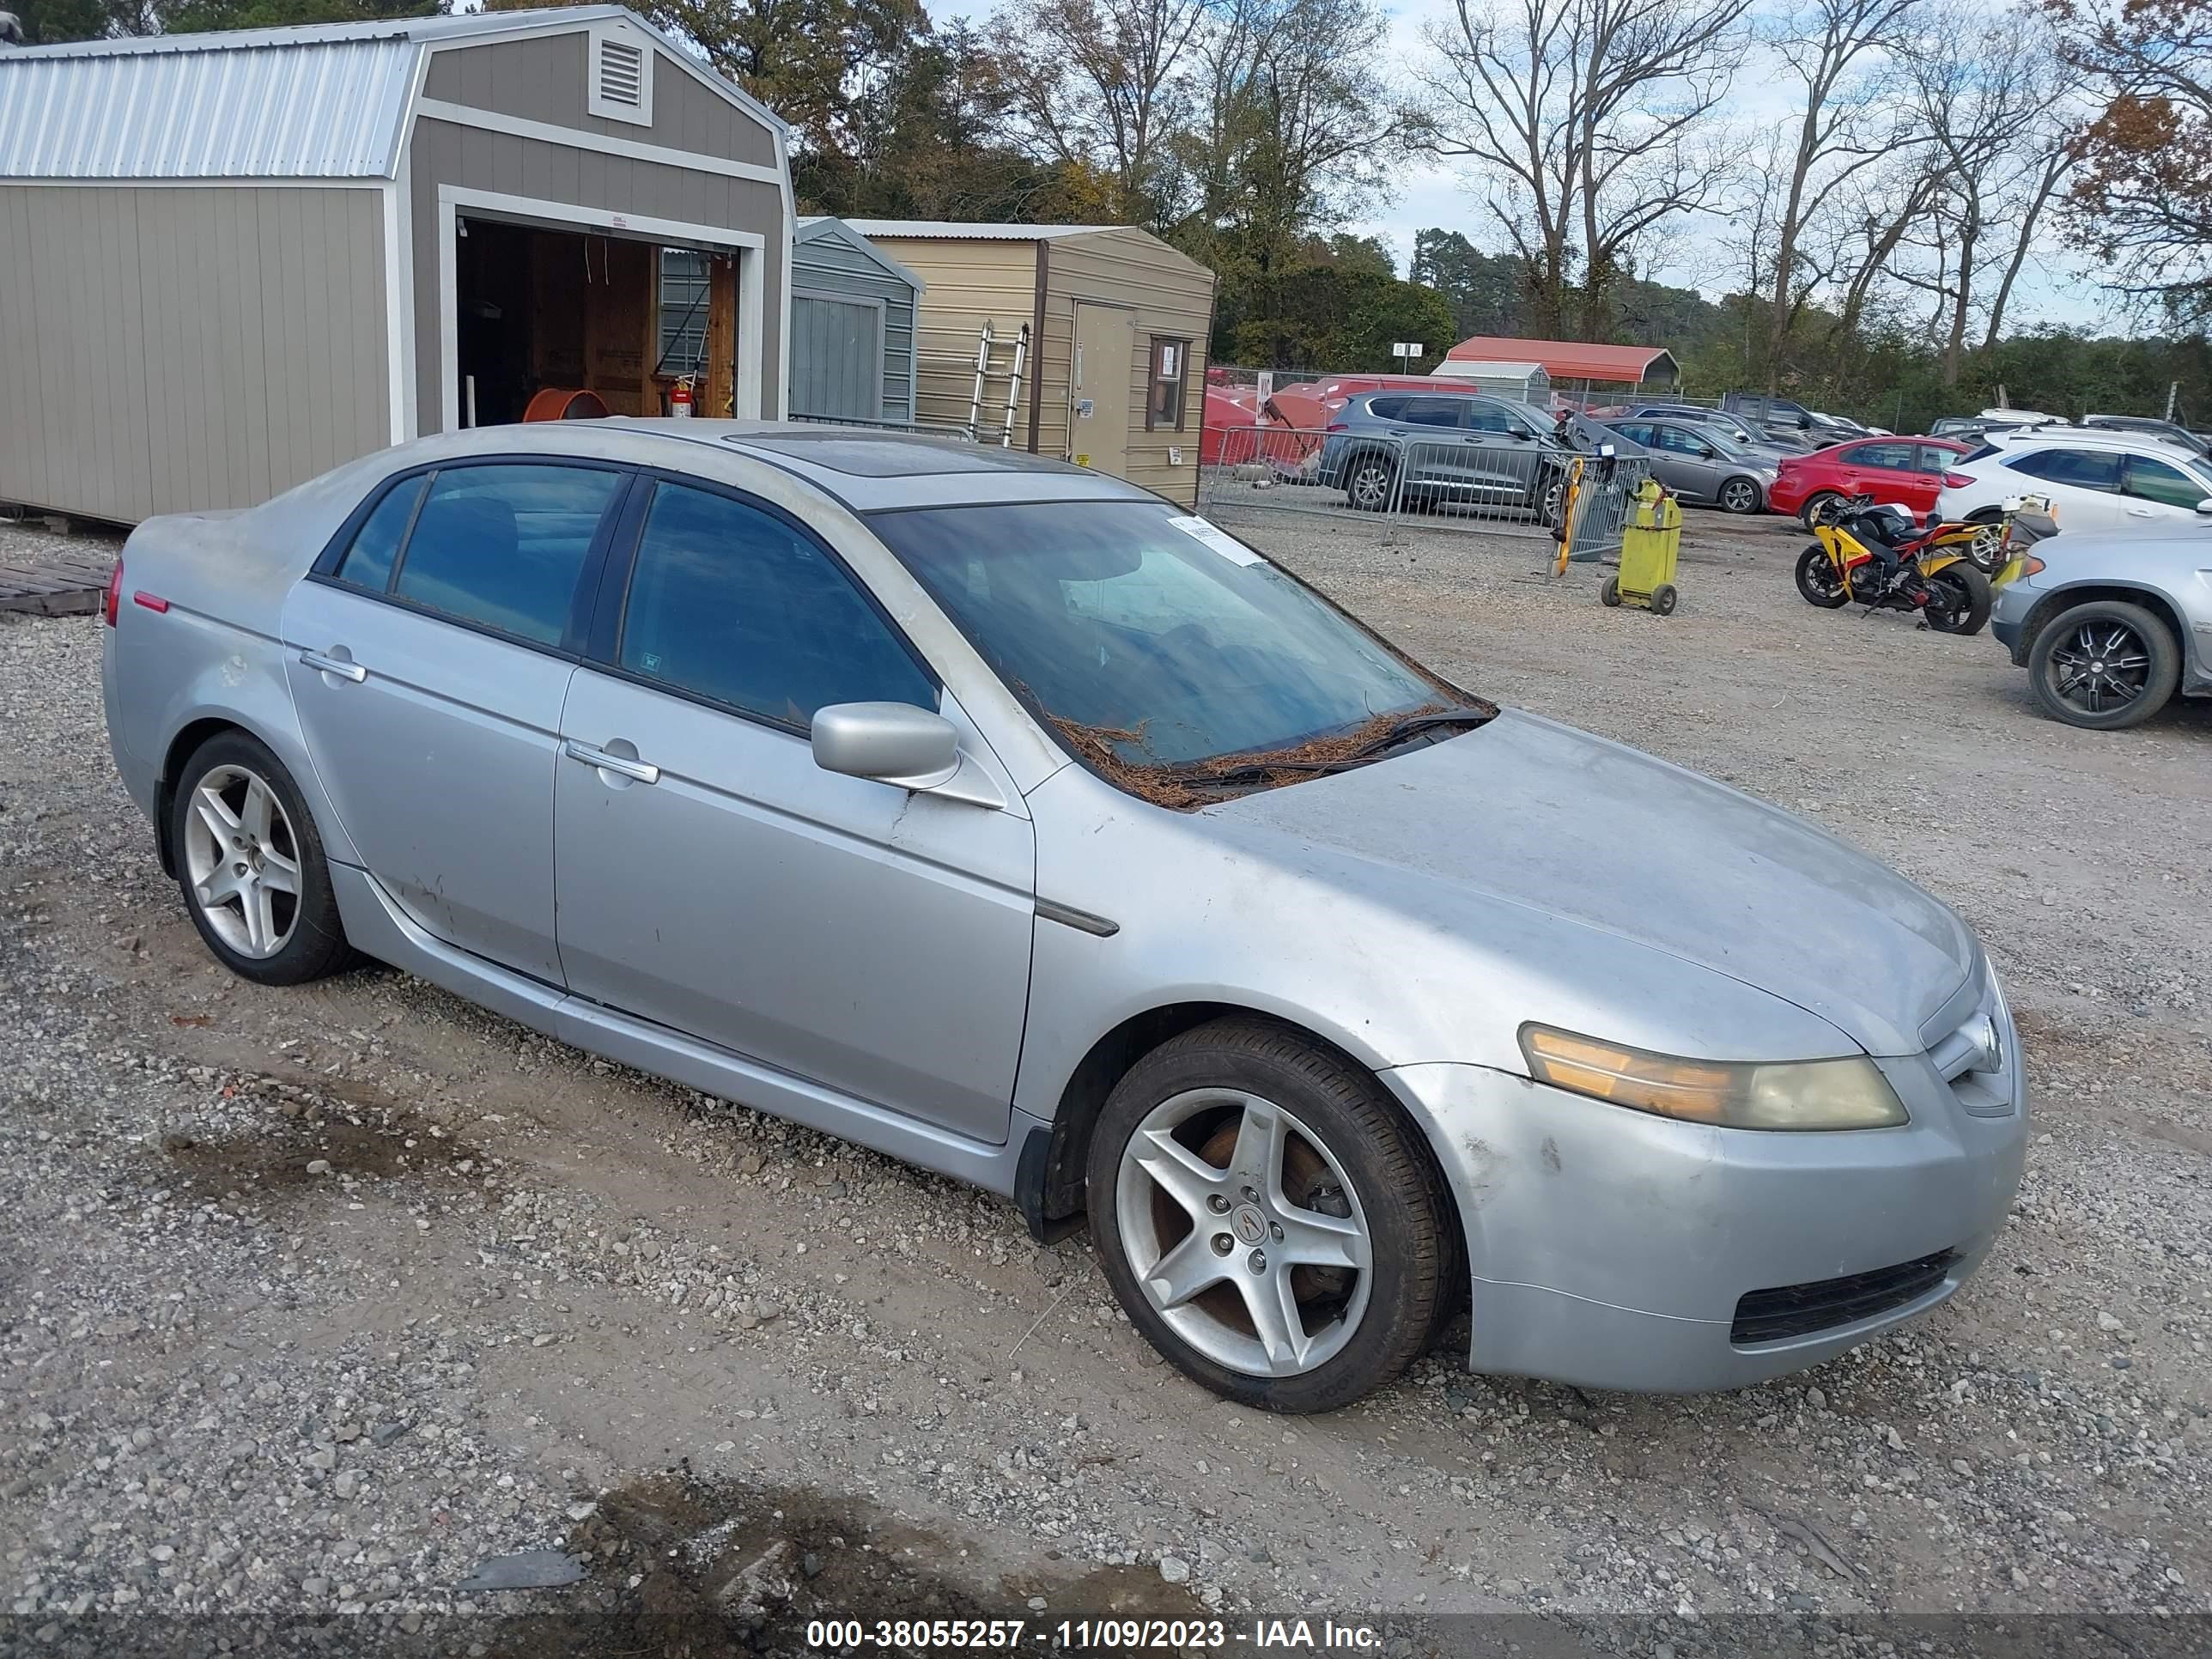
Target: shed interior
x=541, y=310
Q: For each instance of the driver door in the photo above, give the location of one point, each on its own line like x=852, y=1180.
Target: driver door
x=713, y=879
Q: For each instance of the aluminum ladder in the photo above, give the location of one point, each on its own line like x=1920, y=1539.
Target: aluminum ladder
x=986, y=371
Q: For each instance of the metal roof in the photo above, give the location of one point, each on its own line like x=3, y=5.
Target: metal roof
x=952, y=230
x=1569, y=360
x=816, y=226
x=326, y=100
x=1469, y=367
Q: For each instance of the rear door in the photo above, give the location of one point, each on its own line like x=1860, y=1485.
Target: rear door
x=428, y=657
x=714, y=880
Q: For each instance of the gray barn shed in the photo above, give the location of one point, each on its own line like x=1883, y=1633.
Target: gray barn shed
x=853, y=339
x=230, y=261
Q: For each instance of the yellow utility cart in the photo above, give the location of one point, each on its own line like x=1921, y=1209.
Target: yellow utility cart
x=1649, y=544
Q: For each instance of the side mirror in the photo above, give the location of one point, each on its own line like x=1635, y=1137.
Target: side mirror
x=2205, y=506
x=889, y=741
x=897, y=744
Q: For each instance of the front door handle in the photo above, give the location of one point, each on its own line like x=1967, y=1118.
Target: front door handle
x=637, y=771
x=341, y=667
x=2141, y=513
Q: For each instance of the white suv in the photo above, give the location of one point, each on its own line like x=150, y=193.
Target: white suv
x=2099, y=480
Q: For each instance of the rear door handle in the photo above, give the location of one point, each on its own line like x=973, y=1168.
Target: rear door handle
x=337, y=665
x=621, y=765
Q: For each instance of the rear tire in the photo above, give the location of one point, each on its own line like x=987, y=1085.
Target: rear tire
x=1662, y=600
x=250, y=866
x=1968, y=591
x=1369, y=483
x=1817, y=579
x=1815, y=505
x=1209, y=1109
x=2087, y=649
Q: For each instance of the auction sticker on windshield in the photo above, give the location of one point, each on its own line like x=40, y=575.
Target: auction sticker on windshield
x=1217, y=539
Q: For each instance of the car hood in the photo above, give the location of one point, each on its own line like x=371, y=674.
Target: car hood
x=1527, y=812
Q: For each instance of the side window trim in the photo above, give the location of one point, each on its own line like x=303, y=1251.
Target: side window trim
x=603, y=650
x=582, y=600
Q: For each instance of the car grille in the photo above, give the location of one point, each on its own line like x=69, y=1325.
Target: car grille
x=1800, y=1309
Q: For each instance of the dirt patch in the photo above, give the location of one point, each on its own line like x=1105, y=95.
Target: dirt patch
x=302, y=1141
x=678, y=1564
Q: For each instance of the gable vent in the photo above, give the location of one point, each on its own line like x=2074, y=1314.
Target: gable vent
x=622, y=74
x=621, y=77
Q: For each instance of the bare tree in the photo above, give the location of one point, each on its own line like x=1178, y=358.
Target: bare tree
x=1838, y=49
x=1102, y=85
x=1596, y=115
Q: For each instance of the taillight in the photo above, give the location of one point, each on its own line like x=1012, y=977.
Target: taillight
x=114, y=602
x=1956, y=481
x=1340, y=426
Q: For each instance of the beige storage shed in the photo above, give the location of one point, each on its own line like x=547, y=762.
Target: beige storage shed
x=231, y=261
x=1110, y=321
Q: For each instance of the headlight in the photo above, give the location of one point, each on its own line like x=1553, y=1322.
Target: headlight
x=1811, y=1094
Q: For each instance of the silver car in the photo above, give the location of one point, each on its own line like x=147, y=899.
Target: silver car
x=1700, y=463
x=2110, y=627
x=1005, y=817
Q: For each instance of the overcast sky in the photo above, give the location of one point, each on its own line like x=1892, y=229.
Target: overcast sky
x=2054, y=285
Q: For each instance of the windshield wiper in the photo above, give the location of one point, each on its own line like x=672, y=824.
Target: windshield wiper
x=1260, y=769
x=1412, y=725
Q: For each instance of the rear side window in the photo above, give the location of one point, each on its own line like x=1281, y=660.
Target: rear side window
x=1896, y=457
x=733, y=604
x=1433, y=411
x=1386, y=409
x=2084, y=469
x=502, y=546
x=367, y=562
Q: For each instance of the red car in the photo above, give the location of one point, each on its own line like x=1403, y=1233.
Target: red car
x=1907, y=471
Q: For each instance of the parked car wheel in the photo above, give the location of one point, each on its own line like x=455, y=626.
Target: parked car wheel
x=1740, y=495
x=1267, y=1219
x=1816, y=505
x=1551, y=501
x=1818, y=581
x=1985, y=552
x=1958, y=599
x=251, y=865
x=2104, y=665
x=1368, y=483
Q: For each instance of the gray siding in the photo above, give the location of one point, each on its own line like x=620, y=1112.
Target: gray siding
x=831, y=267
x=165, y=349
x=544, y=80
x=470, y=157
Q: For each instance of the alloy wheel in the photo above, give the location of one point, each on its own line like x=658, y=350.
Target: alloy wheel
x=1739, y=496
x=1244, y=1232
x=242, y=861
x=1370, y=486
x=2102, y=666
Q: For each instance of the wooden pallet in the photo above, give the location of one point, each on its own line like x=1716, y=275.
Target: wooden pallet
x=67, y=581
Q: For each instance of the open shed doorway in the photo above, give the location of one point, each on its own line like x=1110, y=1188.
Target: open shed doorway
x=560, y=312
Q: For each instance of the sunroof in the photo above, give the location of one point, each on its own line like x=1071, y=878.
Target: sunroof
x=897, y=457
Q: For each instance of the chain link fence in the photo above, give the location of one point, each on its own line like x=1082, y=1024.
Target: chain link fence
x=1516, y=488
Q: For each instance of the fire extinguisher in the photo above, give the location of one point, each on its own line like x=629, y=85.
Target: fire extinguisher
x=679, y=400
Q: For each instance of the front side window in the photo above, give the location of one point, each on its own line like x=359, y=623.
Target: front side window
x=1679, y=440
x=1150, y=640
x=1164, y=406
x=503, y=546
x=730, y=603
x=2083, y=469
x=2157, y=481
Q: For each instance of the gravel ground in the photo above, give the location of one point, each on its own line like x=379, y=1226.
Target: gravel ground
x=319, y=1299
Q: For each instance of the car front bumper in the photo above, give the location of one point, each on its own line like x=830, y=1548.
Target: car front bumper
x=1611, y=1249
x=2009, y=618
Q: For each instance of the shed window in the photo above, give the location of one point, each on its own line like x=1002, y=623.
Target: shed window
x=1163, y=403
x=683, y=311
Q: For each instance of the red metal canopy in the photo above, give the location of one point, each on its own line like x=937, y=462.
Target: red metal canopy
x=1572, y=360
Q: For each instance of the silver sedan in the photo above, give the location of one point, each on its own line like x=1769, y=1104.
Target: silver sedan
x=1003, y=817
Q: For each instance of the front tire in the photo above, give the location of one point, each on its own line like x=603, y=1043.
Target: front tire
x=1963, y=605
x=1818, y=581
x=1267, y=1219
x=2104, y=665
x=250, y=864
x=1739, y=496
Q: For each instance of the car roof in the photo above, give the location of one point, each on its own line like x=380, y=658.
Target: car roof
x=2086, y=437
x=867, y=469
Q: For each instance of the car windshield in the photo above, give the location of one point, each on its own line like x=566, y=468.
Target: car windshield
x=1163, y=652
